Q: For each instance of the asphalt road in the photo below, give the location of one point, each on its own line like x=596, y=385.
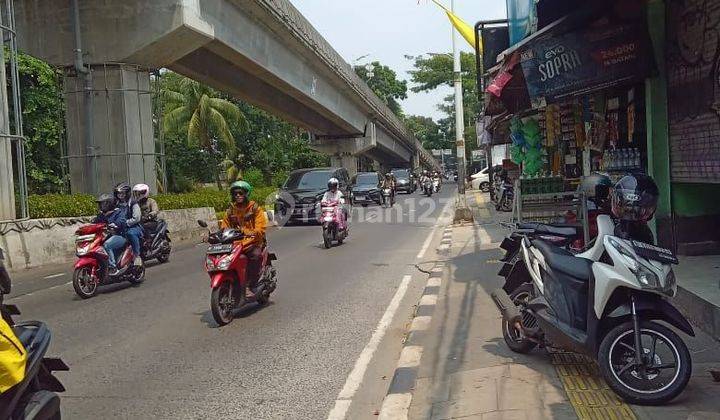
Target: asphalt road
x=153, y=351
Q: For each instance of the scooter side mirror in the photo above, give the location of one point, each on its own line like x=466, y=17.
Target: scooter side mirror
x=202, y=223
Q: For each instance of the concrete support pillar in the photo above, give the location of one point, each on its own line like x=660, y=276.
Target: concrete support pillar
x=416, y=160
x=347, y=161
x=122, y=145
x=7, y=184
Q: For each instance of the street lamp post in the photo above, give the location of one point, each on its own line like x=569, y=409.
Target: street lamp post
x=462, y=212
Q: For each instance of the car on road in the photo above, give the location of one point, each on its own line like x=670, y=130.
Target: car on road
x=481, y=180
x=302, y=191
x=404, y=181
x=366, y=189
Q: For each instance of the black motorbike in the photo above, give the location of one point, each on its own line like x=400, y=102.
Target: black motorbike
x=156, y=240
x=35, y=397
x=505, y=197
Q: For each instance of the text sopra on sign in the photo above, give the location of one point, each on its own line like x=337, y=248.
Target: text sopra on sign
x=558, y=60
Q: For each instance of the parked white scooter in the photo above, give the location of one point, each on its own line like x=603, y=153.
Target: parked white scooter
x=604, y=303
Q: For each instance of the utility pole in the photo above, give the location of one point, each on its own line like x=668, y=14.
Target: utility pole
x=462, y=212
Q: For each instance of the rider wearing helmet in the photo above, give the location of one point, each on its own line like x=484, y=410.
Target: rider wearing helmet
x=634, y=201
x=249, y=217
x=114, y=217
x=388, y=181
x=148, y=206
x=334, y=194
x=133, y=215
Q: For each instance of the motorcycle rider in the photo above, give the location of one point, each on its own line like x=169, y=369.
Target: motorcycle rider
x=249, y=217
x=133, y=216
x=334, y=194
x=114, y=217
x=388, y=181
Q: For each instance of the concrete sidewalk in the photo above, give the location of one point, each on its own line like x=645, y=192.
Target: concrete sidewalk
x=467, y=371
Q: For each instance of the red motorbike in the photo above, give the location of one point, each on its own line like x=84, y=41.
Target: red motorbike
x=91, y=268
x=226, y=264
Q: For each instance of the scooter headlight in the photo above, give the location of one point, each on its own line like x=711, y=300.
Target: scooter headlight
x=224, y=262
x=644, y=274
x=209, y=263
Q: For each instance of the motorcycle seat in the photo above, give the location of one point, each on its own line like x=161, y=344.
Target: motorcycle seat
x=542, y=228
x=564, y=261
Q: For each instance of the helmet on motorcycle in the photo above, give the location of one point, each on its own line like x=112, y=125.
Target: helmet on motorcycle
x=635, y=197
x=140, y=192
x=333, y=184
x=122, y=188
x=105, y=202
x=240, y=186
x=596, y=187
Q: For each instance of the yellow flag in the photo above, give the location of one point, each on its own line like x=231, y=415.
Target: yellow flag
x=467, y=31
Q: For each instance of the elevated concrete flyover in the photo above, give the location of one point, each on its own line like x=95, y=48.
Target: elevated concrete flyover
x=261, y=51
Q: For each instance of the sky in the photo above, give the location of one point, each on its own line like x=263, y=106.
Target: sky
x=388, y=30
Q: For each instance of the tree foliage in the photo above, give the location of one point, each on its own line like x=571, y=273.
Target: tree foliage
x=384, y=82
x=433, y=71
x=429, y=132
x=43, y=112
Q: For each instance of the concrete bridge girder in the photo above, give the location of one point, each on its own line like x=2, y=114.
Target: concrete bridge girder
x=244, y=47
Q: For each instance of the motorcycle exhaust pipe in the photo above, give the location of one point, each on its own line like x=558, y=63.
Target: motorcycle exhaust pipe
x=506, y=307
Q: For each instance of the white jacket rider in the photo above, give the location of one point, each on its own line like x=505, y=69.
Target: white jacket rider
x=334, y=194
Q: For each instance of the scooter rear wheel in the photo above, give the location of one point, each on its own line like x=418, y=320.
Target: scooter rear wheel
x=222, y=304
x=83, y=282
x=138, y=275
x=511, y=336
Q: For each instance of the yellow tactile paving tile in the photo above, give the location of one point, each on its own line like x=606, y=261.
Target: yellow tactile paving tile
x=587, y=391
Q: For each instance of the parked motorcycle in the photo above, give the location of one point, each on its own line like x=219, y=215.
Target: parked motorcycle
x=388, y=197
x=333, y=227
x=92, y=268
x=35, y=397
x=604, y=303
x=226, y=264
x=505, y=196
x=427, y=187
x=156, y=240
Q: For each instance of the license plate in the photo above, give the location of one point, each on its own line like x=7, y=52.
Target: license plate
x=220, y=249
x=359, y=197
x=652, y=252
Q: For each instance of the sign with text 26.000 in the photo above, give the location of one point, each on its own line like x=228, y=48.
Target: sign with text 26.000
x=599, y=56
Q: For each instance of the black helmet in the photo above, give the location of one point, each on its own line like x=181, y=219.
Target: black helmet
x=596, y=187
x=106, y=202
x=635, y=197
x=123, y=187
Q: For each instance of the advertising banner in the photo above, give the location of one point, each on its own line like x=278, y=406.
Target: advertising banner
x=599, y=56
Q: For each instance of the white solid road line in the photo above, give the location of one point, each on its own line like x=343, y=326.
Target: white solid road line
x=52, y=276
x=426, y=244
x=356, y=375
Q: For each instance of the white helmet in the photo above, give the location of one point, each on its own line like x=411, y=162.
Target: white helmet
x=333, y=183
x=140, y=191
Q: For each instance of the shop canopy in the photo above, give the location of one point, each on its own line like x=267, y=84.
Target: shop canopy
x=590, y=50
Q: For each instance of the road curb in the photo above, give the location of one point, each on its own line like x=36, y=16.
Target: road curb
x=396, y=403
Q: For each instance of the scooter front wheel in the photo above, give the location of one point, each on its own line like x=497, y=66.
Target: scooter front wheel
x=661, y=376
x=327, y=239
x=222, y=304
x=84, y=283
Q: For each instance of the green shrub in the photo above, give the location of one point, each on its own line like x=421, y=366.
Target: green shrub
x=254, y=176
x=56, y=205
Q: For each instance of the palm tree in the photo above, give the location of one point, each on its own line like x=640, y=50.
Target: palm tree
x=194, y=108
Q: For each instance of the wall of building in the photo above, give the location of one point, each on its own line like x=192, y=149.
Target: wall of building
x=692, y=57
x=34, y=243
